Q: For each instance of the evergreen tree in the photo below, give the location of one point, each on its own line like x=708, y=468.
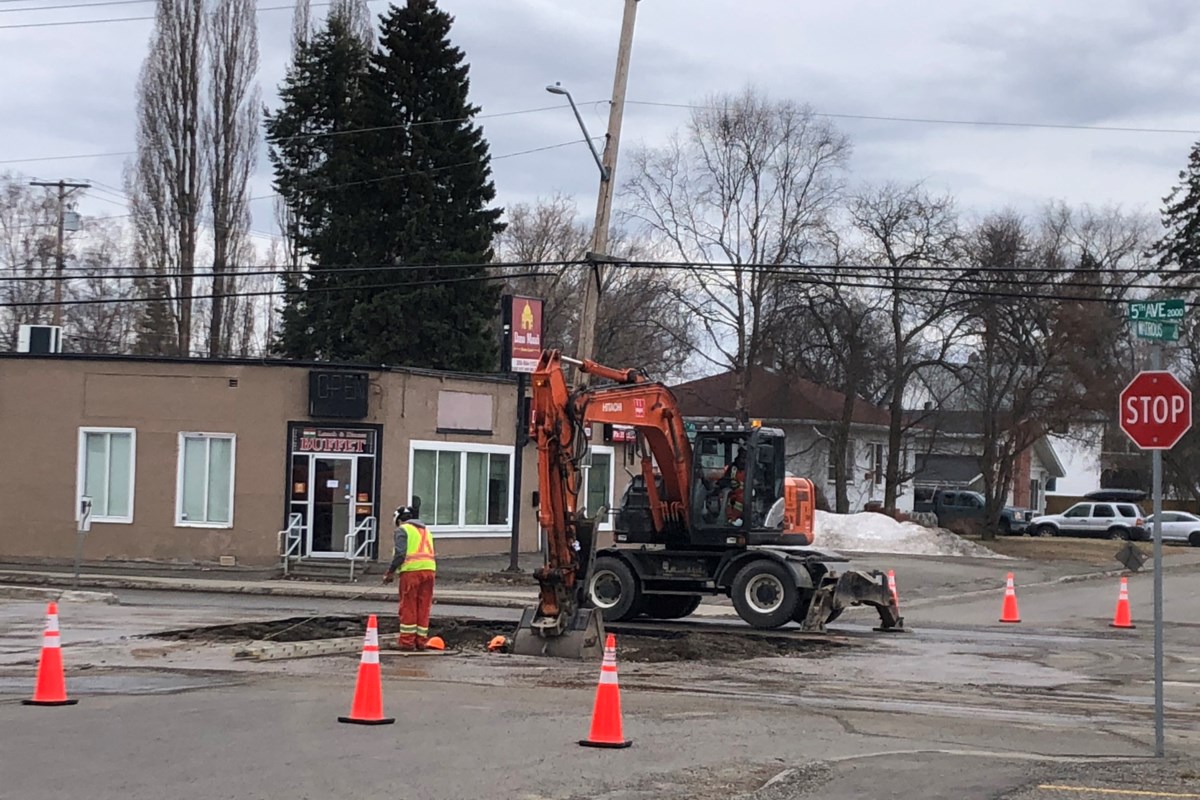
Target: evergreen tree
x=419, y=187
x=318, y=172
x=1180, y=246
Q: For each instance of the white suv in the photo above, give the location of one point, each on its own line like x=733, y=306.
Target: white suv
x=1110, y=520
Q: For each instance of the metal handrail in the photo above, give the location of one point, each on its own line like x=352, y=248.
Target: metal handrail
x=355, y=550
x=291, y=540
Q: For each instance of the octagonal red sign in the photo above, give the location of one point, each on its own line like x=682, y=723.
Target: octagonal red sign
x=1156, y=410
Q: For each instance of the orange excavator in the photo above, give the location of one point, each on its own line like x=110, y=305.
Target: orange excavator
x=713, y=512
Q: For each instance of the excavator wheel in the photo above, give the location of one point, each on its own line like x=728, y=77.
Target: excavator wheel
x=765, y=594
x=669, y=606
x=613, y=590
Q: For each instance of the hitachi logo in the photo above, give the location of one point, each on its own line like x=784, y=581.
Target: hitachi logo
x=611, y=408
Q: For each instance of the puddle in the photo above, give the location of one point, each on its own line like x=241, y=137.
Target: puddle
x=125, y=682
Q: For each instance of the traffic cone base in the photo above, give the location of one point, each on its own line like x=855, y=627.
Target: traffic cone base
x=51, y=686
x=606, y=714
x=367, y=708
x=1122, y=618
x=1010, y=613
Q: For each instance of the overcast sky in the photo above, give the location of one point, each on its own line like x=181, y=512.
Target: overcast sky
x=69, y=90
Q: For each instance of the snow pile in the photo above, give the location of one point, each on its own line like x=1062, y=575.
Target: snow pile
x=876, y=533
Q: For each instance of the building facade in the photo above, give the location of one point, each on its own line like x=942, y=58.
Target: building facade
x=233, y=462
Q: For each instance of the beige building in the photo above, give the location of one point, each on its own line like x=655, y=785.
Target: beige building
x=201, y=462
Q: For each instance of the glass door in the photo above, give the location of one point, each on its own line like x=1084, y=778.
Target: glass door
x=332, y=509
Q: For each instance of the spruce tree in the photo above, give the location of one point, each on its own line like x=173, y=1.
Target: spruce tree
x=416, y=184
x=1180, y=246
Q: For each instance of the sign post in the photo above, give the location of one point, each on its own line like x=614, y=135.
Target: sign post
x=520, y=351
x=82, y=527
x=1155, y=412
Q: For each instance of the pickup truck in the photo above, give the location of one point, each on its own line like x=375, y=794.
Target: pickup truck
x=968, y=509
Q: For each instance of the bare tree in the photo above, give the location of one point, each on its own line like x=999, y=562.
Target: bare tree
x=1018, y=379
x=27, y=257
x=104, y=311
x=230, y=134
x=301, y=25
x=641, y=324
x=166, y=181
x=357, y=15
x=742, y=193
x=912, y=240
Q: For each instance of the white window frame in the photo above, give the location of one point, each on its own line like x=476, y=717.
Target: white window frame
x=81, y=473
x=462, y=530
x=606, y=524
x=180, y=522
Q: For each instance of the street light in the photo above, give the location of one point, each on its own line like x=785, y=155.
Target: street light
x=556, y=88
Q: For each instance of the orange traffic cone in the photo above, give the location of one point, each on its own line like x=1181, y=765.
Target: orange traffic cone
x=892, y=587
x=1123, y=618
x=368, y=693
x=606, y=715
x=51, y=687
x=1010, y=613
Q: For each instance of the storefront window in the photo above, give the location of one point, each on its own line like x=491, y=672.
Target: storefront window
x=106, y=458
x=464, y=487
x=205, y=491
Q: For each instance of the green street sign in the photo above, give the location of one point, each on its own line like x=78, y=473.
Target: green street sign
x=1157, y=331
x=1157, y=311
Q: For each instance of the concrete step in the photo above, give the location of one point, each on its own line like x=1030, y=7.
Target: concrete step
x=332, y=569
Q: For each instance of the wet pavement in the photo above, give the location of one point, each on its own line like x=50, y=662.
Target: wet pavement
x=960, y=706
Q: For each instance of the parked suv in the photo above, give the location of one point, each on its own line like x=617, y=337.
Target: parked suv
x=1112, y=520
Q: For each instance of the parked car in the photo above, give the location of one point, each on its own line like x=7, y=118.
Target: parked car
x=1177, y=526
x=956, y=505
x=1110, y=520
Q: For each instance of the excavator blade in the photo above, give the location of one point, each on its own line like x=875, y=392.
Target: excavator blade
x=853, y=588
x=580, y=637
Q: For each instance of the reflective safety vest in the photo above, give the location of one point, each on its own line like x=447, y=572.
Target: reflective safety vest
x=419, y=555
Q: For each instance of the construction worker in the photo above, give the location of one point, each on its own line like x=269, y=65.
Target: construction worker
x=418, y=564
x=735, y=479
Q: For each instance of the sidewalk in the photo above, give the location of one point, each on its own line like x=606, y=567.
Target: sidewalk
x=448, y=591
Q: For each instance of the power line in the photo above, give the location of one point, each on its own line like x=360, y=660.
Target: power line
x=270, y=292
x=946, y=121
x=315, y=135
x=105, y=20
x=251, y=270
x=73, y=5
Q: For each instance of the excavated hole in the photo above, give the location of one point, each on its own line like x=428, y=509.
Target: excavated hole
x=472, y=635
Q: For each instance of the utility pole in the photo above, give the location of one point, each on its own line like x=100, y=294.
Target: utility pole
x=595, y=276
x=60, y=261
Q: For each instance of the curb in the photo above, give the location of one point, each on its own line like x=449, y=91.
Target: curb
x=60, y=595
x=12, y=582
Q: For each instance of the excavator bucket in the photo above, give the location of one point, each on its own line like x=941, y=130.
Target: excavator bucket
x=582, y=637
x=853, y=588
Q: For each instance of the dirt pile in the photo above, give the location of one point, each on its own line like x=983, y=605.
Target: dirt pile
x=470, y=635
x=876, y=533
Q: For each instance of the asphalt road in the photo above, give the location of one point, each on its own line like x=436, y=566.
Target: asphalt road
x=960, y=707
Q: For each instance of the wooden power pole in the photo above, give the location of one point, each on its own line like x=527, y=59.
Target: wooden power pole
x=60, y=259
x=595, y=275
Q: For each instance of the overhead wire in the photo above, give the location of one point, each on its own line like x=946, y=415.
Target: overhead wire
x=105, y=20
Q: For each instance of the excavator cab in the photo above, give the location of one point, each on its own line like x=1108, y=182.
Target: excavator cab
x=737, y=481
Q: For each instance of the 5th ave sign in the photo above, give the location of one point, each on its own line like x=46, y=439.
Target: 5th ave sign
x=1156, y=410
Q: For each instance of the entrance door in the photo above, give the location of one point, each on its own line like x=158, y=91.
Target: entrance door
x=332, y=511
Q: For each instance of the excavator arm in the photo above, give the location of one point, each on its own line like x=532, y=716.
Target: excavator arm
x=560, y=417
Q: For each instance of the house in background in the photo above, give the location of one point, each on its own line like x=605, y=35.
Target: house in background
x=949, y=446
x=805, y=412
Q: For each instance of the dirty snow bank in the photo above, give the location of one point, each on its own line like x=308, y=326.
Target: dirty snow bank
x=876, y=533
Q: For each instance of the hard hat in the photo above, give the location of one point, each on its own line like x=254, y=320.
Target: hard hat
x=497, y=643
x=404, y=513
x=436, y=643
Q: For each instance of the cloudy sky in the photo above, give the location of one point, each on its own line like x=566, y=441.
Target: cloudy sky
x=894, y=75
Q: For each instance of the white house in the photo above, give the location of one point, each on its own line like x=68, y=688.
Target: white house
x=806, y=413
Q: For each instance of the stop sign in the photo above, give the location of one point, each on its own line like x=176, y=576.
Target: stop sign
x=1156, y=410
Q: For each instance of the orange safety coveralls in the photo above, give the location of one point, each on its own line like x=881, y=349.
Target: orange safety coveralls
x=418, y=566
